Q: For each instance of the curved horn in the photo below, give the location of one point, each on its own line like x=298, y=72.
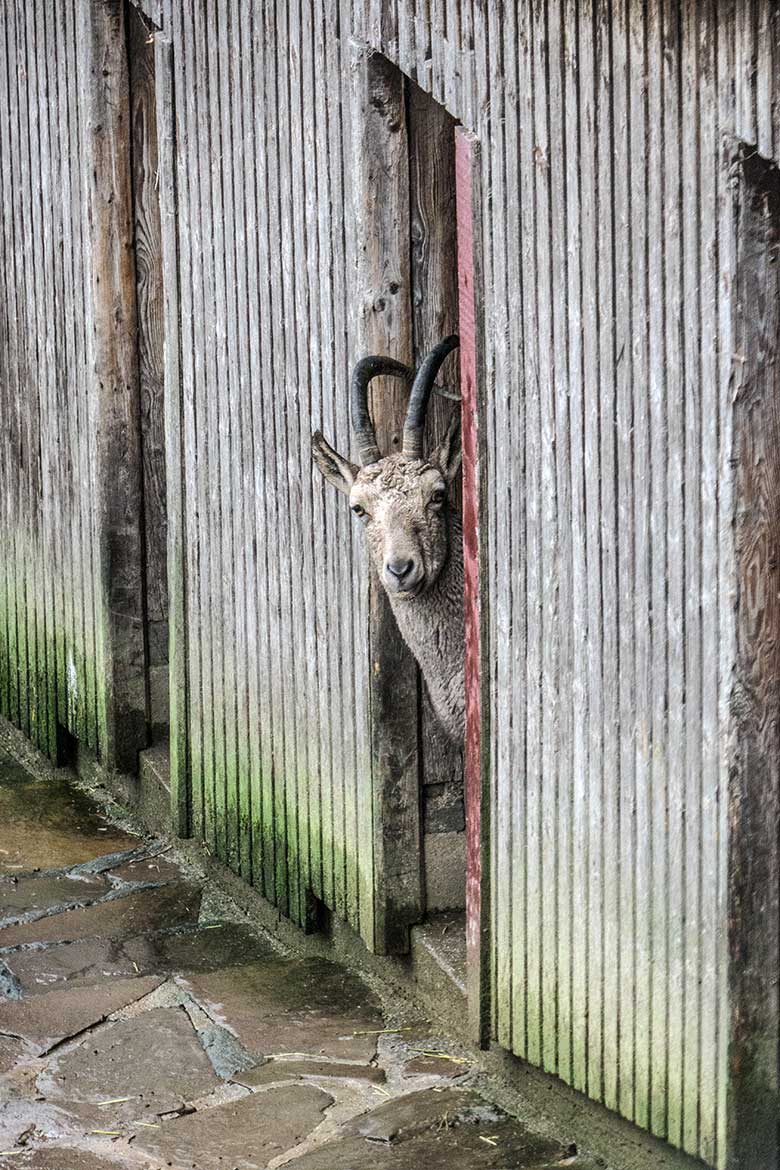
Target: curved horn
x=366, y=369
x=421, y=393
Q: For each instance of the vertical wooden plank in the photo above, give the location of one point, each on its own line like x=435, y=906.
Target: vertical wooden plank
x=694, y=845
x=727, y=640
x=754, y=779
x=527, y=845
x=50, y=413
x=658, y=502
x=22, y=242
x=549, y=374
x=710, y=956
x=35, y=166
x=231, y=666
x=184, y=531
x=287, y=872
x=382, y=224
x=114, y=364
x=477, y=779
x=71, y=362
x=642, y=619
x=206, y=465
x=575, y=292
x=611, y=650
x=356, y=748
x=504, y=289
x=273, y=743
x=220, y=403
x=669, y=1050
x=434, y=316
x=256, y=698
x=57, y=424
x=242, y=454
x=299, y=425
x=176, y=499
x=562, y=725
x=88, y=699
x=332, y=716
x=145, y=171
x=626, y=394
x=593, y=810
x=15, y=356
x=6, y=378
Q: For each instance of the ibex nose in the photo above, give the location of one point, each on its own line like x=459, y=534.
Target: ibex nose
x=399, y=568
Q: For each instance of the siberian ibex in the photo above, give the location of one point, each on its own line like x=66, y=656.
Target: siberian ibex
x=415, y=539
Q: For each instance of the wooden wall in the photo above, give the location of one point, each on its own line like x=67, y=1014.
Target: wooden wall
x=621, y=609
x=275, y=592
x=609, y=135
x=49, y=662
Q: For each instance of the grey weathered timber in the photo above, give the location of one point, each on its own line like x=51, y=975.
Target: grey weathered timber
x=434, y=301
x=385, y=327
x=145, y=171
x=754, y=772
x=112, y=347
x=165, y=120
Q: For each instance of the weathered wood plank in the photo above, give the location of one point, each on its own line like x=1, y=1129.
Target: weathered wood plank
x=754, y=779
x=578, y=907
x=50, y=412
x=187, y=658
x=705, y=1090
x=145, y=171
x=173, y=403
x=476, y=567
x=619, y=1082
x=114, y=362
x=15, y=358
x=501, y=275
x=694, y=847
x=382, y=223
x=89, y=718
x=434, y=316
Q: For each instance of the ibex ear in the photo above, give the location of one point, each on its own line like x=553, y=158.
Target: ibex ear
x=340, y=472
x=448, y=454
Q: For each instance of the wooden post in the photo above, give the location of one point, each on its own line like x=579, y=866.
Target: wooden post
x=121, y=669
x=754, y=756
x=385, y=327
x=434, y=298
x=467, y=181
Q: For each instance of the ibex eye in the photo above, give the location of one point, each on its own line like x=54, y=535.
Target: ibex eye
x=438, y=497
x=358, y=509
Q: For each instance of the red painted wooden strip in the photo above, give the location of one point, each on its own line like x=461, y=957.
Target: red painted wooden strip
x=468, y=375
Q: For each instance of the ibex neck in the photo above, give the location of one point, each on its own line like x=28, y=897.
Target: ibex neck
x=432, y=626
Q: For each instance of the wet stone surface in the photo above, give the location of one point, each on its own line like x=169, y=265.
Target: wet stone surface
x=248, y=1133
x=44, y=1022
x=306, y=1006
x=133, y=913
x=147, y=1066
x=138, y=1032
x=28, y=896
x=48, y=824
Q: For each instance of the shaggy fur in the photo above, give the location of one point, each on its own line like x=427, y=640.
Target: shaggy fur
x=402, y=503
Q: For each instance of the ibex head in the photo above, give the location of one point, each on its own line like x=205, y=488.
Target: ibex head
x=401, y=499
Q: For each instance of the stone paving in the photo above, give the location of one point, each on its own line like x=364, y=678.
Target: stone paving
x=140, y=1030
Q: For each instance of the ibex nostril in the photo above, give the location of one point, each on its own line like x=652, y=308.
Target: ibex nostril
x=399, y=568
